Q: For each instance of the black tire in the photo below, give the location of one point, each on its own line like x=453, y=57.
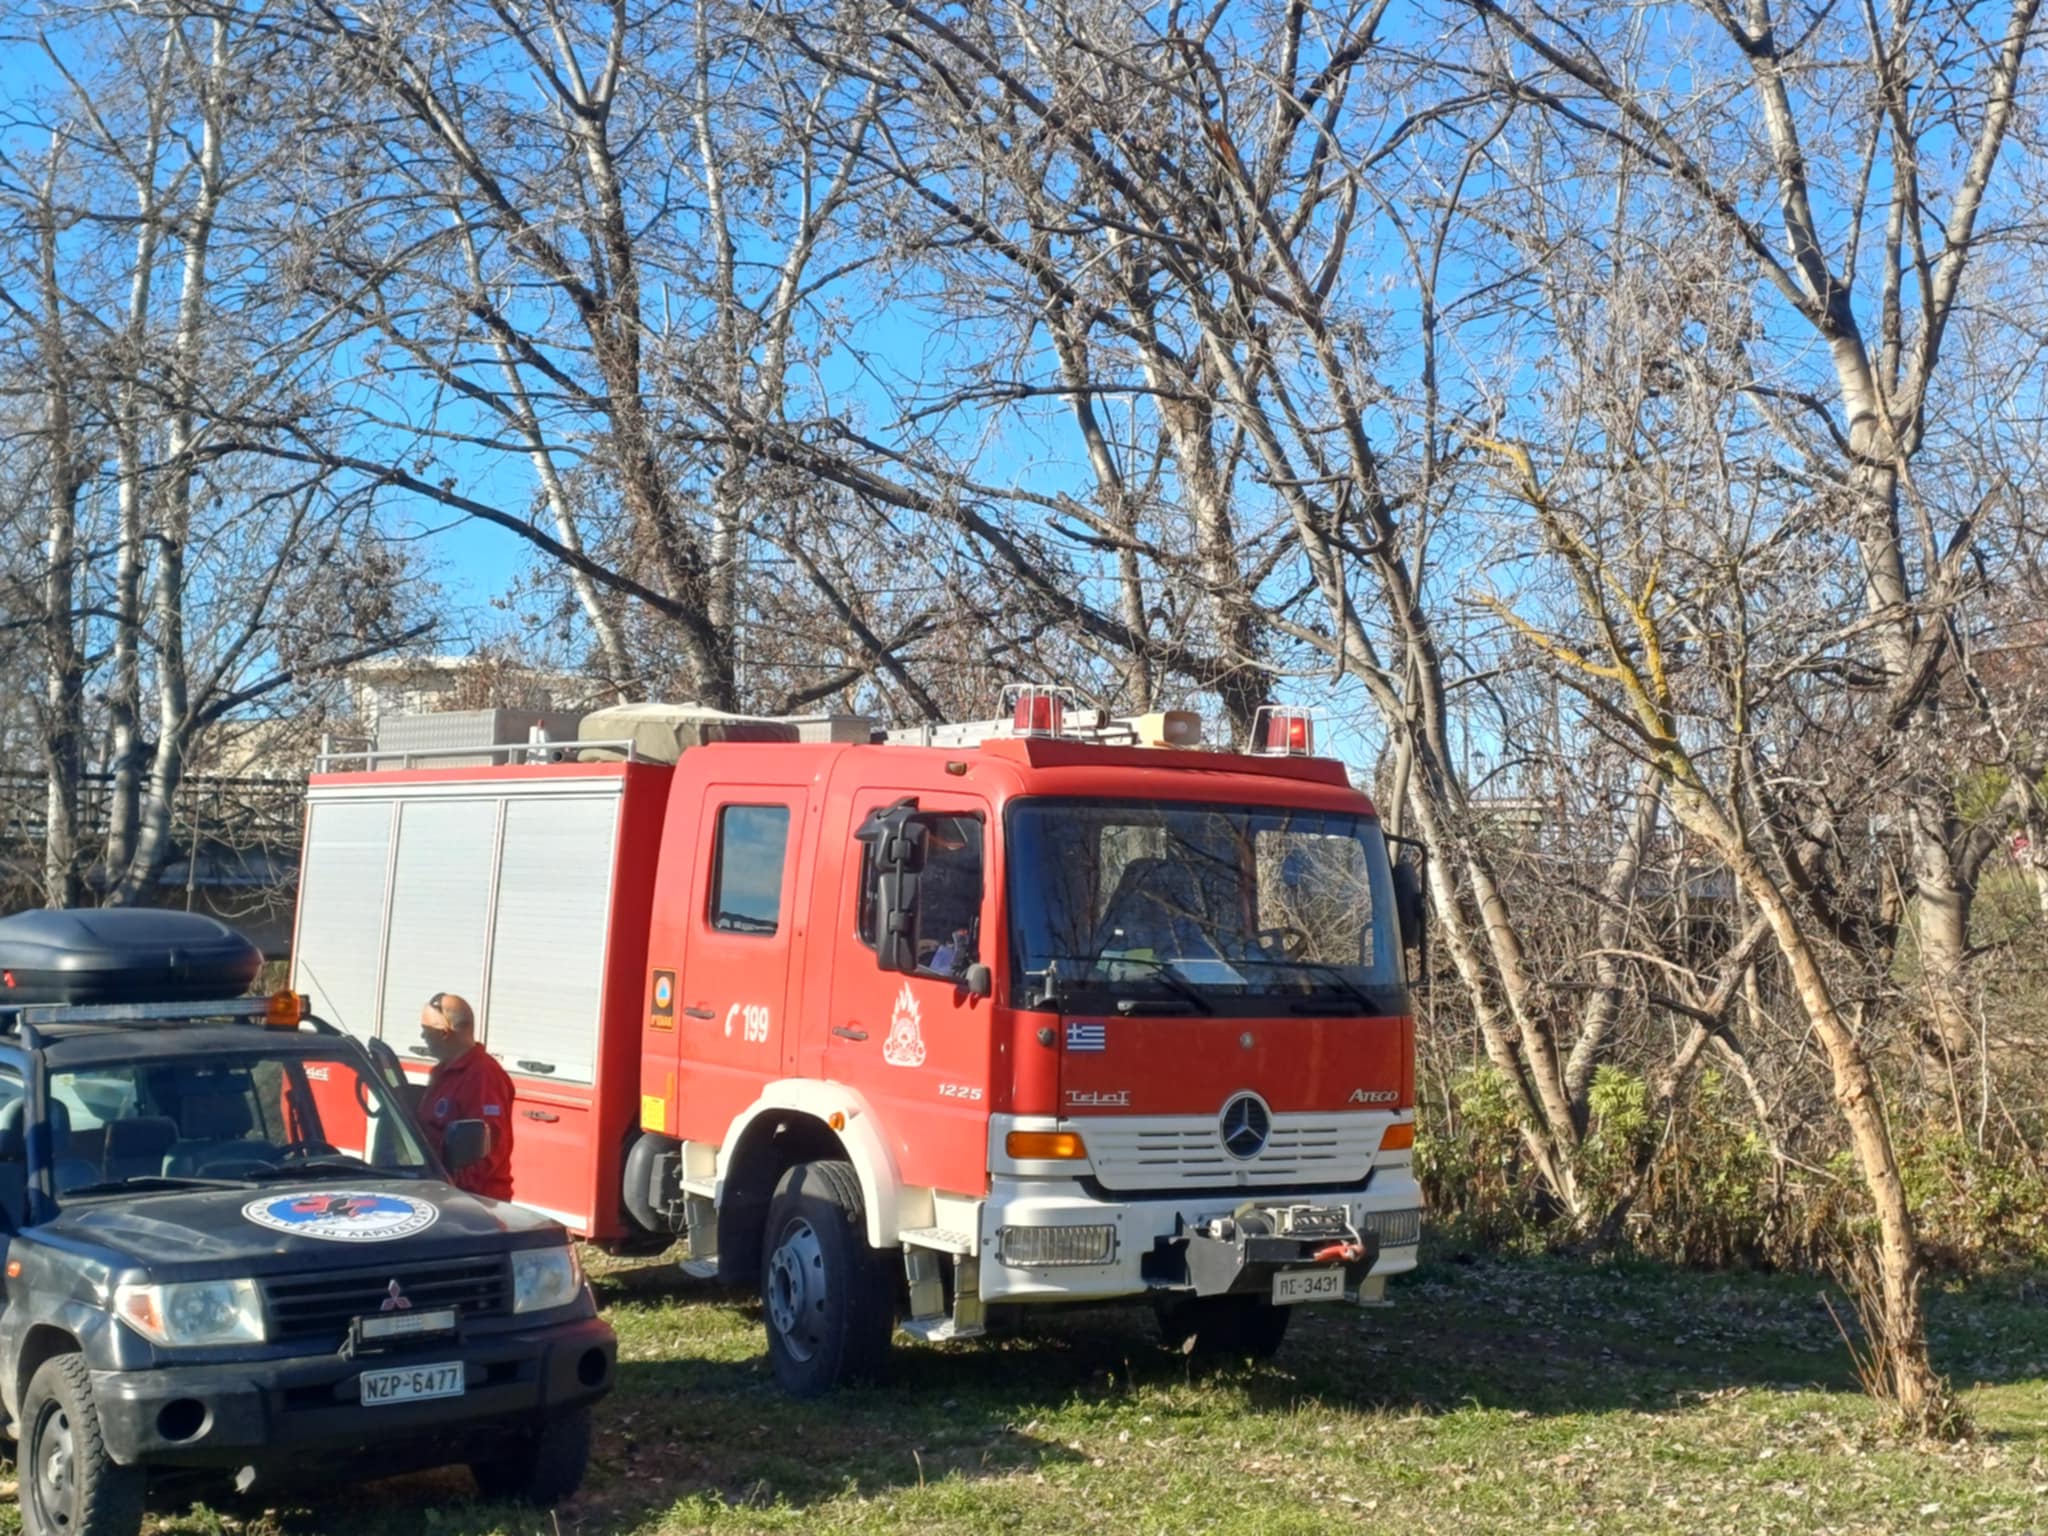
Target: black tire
x=69, y=1485
x=826, y=1297
x=1224, y=1327
x=539, y=1469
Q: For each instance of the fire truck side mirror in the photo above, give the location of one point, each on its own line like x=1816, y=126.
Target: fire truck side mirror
x=897, y=835
x=896, y=925
x=1408, y=904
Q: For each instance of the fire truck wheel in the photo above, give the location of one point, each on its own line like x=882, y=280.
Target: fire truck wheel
x=825, y=1294
x=541, y=1469
x=1224, y=1327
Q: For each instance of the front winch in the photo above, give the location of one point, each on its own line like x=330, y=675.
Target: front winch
x=1243, y=1253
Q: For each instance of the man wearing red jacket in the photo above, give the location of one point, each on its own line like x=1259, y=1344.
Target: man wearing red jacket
x=466, y=1084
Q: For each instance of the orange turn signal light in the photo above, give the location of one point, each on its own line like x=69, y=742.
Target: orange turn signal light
x=1399, y=1138
x=1053, y=1145
x=283, y=1010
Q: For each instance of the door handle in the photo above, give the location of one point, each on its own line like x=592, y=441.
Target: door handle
x=542, y=1114
x=700, y=1013
x=849, y=1032
x=541, y=1068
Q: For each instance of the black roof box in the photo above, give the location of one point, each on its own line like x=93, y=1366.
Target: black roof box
x=122, y=955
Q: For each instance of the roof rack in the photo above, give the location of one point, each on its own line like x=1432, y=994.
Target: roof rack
x=236, y=1010
x=541, y=750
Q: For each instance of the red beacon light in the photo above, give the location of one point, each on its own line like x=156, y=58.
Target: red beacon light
x=1279, y=731
x=1039, y=712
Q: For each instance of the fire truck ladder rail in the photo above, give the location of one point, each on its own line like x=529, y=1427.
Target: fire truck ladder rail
x=537, y=750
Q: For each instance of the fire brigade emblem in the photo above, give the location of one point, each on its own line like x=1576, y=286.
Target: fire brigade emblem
x=343, y=1216
x=905, y=1045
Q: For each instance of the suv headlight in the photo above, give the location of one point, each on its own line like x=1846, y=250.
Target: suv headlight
x=193, y=1312
x=545, y=1277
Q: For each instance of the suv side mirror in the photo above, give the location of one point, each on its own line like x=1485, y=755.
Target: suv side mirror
x=466, y=1144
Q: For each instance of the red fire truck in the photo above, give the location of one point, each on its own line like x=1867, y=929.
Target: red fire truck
x=1047, y=1009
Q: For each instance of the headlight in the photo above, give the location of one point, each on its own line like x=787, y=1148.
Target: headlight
x=545, y=1277
x=193, y=1312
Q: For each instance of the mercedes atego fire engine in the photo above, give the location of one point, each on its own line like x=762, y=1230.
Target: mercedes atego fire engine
x=1055, y=1008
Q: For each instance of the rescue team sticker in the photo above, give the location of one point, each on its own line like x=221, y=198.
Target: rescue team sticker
x=343, y=1216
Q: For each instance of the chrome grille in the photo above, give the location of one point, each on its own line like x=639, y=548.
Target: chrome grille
x=1136, y=1152
x=320, y=1306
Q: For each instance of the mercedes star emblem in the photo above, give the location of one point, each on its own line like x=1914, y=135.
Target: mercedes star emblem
x=1245, y=1126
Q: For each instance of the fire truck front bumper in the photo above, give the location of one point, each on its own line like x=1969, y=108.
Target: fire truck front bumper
x=1051, y=1240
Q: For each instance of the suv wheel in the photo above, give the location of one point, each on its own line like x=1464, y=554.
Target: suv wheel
x=70, y=1486
x=825, y=1294
x=541, y=1469
x=1224, y=1327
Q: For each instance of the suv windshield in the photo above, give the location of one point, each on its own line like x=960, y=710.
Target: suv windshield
x=1200, y=908
x=253, y=1116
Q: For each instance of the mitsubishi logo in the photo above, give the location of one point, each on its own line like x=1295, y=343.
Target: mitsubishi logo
x=395, y=1300
x=1245, y=1126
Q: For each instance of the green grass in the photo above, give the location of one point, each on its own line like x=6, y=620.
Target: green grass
x=1511, y=1396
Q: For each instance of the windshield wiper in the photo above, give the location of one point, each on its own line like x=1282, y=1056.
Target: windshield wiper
x=146, y=1181
x=339, y=1162
x=1344, y=984
x=1160, y=973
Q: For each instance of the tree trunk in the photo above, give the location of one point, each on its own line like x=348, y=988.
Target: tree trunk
x=174, y=722
x=1901, y=1324
x=64, y=678
x=63, y=722
x=1941, y=926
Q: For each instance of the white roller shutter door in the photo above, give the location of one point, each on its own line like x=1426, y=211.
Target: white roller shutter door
x=341, y=912
x=440, y=908
x=547, y=954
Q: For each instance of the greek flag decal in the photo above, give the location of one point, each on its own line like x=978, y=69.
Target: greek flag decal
x=1087, y=1037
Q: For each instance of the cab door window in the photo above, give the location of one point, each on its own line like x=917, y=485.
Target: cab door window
x=746, y=876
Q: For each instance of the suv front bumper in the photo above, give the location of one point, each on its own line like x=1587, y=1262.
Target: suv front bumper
x=305, y=1413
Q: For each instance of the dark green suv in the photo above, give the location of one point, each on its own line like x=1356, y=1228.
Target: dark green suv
x=228, y=1250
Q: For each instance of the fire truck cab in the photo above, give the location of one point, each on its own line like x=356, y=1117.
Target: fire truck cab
x=1042, y=1010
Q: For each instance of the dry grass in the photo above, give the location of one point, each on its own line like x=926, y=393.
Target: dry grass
x=1525, y=1396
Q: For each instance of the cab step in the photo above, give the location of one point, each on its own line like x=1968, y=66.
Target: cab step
x=940, y=1330
x=937, y=1239
x=929, y=1319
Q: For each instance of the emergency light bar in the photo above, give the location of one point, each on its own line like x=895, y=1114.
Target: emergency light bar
x=282, y=1010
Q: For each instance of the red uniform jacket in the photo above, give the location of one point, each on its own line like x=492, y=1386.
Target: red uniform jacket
x=473, y=1087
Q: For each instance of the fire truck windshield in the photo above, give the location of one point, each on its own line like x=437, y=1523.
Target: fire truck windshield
x=1200, y=908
